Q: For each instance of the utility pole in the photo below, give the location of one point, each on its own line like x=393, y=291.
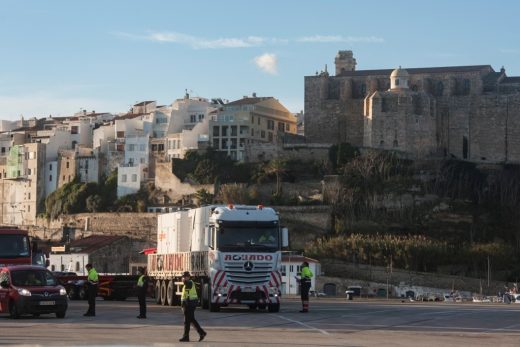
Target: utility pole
x=489, y=270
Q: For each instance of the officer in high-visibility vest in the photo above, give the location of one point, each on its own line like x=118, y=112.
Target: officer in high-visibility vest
x=305, y=285
x=142, y=290
x=92, y=287
x=189, y=301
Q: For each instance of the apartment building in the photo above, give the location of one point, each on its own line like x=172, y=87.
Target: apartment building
x=248, y=121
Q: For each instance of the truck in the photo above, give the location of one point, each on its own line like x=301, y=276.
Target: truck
x=233, y=254
x=16, y=248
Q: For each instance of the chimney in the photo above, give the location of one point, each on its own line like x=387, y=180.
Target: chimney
x=254, y=95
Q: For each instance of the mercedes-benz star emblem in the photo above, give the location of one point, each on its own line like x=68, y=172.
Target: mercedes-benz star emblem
x=46, y=294
x=248, y=266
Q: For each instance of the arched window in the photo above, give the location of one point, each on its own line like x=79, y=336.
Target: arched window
x=77, y=266
x=381, y=143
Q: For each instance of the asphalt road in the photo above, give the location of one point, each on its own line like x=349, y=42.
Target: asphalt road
x=331, y=322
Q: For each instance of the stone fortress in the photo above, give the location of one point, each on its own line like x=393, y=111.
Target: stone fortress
x=465, y=112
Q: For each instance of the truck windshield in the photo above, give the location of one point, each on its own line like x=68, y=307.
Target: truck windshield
x=14, y=246
x=243, y=239
x=34, y=278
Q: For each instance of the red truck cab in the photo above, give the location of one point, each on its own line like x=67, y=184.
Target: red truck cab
x=27, y=289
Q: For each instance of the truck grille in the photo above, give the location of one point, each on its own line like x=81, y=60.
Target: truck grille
x=237, y=273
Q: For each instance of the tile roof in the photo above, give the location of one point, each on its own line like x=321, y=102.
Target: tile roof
x=93, y=243
x=420, y=70
x=130, y=116
x=143, y=103
x=247, y=101
x=515, y=79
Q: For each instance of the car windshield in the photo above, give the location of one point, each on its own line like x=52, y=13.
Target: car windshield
x=14, y=246
x=244, y=239
x=33, y=278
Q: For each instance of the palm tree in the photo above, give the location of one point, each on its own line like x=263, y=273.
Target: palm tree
x=277, y=167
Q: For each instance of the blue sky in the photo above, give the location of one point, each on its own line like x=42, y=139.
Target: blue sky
x=57, y=57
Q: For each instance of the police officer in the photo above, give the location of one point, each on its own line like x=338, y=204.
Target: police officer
x=189, y=301
x=92, y=288
x=142, y=290
x=305, y=286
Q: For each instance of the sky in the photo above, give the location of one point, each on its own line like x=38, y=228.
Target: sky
x=59, y=57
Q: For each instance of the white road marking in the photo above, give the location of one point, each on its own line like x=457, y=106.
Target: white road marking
x=304, y=325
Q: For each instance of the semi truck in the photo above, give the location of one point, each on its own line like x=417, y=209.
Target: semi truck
x=16, y=248
x=232, y=252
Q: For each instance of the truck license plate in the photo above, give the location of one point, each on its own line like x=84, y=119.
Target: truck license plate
x=47, y=303
x=248, y=289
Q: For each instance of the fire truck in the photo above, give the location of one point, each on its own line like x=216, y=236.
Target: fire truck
x=232, y=252
x=16, y=248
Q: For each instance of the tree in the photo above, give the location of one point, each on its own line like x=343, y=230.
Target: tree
x=277, y=167
x=203, y=197
x=94, y=203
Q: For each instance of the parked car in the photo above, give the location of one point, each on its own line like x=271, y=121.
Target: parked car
x=27, y=289
x=317, y=294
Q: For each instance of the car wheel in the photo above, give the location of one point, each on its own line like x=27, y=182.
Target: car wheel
x=82, y=293
x=60, y=314
x=13, y=311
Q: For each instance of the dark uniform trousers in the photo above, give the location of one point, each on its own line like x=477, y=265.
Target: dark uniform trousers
x=142, y=302
x=91, y=296
x=305, y=287
x=188, y=309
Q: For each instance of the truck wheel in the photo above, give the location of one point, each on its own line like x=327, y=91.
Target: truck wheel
x=164, y=299
x=213, y=307
x=13, y=311
x=205, y=296
x=61, y=314
x=170, y=293
x=157, y=291
x=273, y=307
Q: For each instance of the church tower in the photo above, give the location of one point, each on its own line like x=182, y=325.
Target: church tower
x=399, y=79
x=344, y=61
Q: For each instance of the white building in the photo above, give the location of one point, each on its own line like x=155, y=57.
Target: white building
x=291, y=266
x=129, y=179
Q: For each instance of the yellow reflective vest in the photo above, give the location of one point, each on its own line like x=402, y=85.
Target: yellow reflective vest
x=140, y=281
x=93, y=276
x=306, y=273
x=189, y=294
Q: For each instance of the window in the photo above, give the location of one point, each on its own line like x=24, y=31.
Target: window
x=29, y=172
x=270, y=124
x=74, y=129
x=396, y=144
x=252, y=132
x=120, y=134
x=28, y=196
x=281, y=127
x=141, y=160
x=50, y=167
x=28, y=208
x=233, y=130
x=291, y=268
x=123, y=178
x=3, y=149
x=131, y=147
x=258, y=121
x=284, y=269
x=201, y=117
x=77, y=266
x=63, y=178
x=134, y=178
x=193, y=118
x=50, y=178
x=397, y=81
x=270, y=136
x=142, y=148
x=262, y=134
x=53, y=267
x=224, y=131
x=216, y=131
x=67, y=165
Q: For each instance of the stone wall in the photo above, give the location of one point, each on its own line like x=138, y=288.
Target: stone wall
x=140, y=226
x=172, y=186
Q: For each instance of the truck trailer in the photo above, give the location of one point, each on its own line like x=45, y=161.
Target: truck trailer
x=232, y=252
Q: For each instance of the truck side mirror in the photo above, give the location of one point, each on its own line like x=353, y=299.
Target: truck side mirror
x=207, y=237
x=4, y=284
x=285, y=237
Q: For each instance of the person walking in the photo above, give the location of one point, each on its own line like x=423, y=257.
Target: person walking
x=305, y=286
x=189, y=301
x=92, y=287
x=142, y=290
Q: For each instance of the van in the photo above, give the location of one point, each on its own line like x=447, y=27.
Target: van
x=27, y=289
